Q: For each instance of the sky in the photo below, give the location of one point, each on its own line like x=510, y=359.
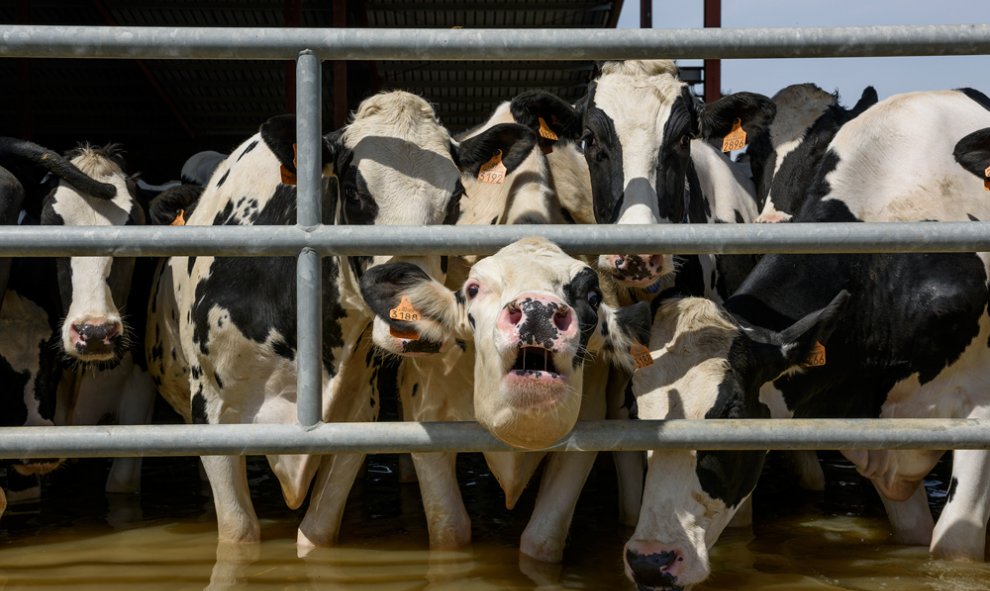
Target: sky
x=889, y=75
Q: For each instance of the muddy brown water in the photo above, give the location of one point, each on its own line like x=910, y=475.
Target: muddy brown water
x=76, y=538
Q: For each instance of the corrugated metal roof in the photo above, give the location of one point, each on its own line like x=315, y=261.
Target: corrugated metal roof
x=164, y=110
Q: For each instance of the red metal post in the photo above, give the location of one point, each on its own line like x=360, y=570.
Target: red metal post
x=291, y=17
x=645, y=14
x=713, y=68
x=25, y=123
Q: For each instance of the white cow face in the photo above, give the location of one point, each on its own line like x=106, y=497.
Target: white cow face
x=636, y=127
x=94, y=288
x=706, y=366
x=535, y=315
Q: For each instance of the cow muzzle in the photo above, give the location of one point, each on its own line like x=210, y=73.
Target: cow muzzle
x=654, y=567
x=636, y=270
x=95, y=339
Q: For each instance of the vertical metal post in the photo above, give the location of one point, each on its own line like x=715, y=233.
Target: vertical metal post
x=309, y=292
x=713, y=68
x=645, y=14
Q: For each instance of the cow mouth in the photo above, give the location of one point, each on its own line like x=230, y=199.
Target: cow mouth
x=534, y=362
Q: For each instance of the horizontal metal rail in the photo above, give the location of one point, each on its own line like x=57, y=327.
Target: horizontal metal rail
x=710, y=434
x=252, y=241
x=489, y=44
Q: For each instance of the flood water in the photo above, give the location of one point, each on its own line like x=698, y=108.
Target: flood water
x=76, y=538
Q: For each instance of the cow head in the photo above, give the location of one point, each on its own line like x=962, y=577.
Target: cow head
x=397, y=165
x=706, y=366
x=635, y=127
x=91, y=288
x=535, y=315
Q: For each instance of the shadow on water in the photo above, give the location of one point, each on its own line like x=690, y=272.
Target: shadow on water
x=76, y=538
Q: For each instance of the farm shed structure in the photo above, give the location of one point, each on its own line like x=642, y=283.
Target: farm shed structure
x=164, y=110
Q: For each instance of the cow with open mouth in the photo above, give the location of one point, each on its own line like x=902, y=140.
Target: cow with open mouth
x=536, y=316
x=837, y=335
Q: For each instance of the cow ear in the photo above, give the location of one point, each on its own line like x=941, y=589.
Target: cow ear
x=804, y=342
x=754, y=111
x=973, y=152
x=172, y=206
x=621, y=332
x=558, y=116
x=867, y=100
x=513, y=142
x=279, y=134
x=410, y=301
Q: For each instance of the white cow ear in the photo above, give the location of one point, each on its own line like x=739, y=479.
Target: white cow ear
x=622, y=333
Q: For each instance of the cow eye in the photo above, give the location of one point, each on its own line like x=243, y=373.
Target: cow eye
x=589, y=145
x=685, y=141
x=471, y=289
x=594, y=299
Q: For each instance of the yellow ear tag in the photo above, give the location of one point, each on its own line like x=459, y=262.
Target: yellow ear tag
x=180, y=219
x=493, y=171
x=546, y=132
x=986, y=181
x=816, y=357
x=289, y=177
x=735, y=139
x=641, y=355
x=404, y=311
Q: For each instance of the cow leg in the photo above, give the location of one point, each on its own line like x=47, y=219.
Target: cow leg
x=630, y=470
x=807, y=469
x=3, y=502
x=563, y=479
x=236, y=519
x=743, y=517
x=960, y=533
x=911, y=520
x=334, y=479
x=136, y=407
x=230, y=571
x=446, y=517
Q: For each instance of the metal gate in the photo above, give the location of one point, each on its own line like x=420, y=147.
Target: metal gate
x=309, y=241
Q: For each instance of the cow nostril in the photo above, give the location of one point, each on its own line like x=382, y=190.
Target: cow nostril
x=562, y=319
x=513, y=313
x=619, y=262
x=656, y=261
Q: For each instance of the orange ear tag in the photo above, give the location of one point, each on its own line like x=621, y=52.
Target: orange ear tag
x=641, y=355
x=180, y=219
x=546, y=132
x=816, y=358
x=404, y=311
x=986, y=181
x=289, y=177
x=736, y=139
x=493, y=171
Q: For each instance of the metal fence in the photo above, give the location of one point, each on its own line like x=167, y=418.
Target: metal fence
x=310, y=241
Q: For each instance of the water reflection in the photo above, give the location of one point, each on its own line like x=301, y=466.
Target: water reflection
x=166, y=539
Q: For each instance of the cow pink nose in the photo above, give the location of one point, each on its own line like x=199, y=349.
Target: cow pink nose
x=537, y=317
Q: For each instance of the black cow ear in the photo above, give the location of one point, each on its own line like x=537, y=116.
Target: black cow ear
x=867, y=100
x=333, y=150
x=279, y=134
x=560, y=118
x=802, y=343
x=513, y=142
x=973, y=152
x=754, y=111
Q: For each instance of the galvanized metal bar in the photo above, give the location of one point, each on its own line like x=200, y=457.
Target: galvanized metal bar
x=309, y=283
x=424, y=240
x=492, y=44
x=724, y=434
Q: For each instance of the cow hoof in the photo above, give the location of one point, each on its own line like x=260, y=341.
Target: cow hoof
x=545, y=551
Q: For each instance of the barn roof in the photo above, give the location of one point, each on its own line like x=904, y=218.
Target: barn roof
x=164, y=110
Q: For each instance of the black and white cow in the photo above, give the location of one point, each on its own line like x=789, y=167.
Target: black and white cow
x=902, y=336
x=636, y=127
x=29, y=350
x=785, y=158
x=441, y=387
x=102, y=312
x=223, y=331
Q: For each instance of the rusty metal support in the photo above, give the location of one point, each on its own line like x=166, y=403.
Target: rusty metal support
x=713, y=67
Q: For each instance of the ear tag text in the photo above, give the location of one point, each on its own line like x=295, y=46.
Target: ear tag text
x=492, y=172
x=735, y=139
